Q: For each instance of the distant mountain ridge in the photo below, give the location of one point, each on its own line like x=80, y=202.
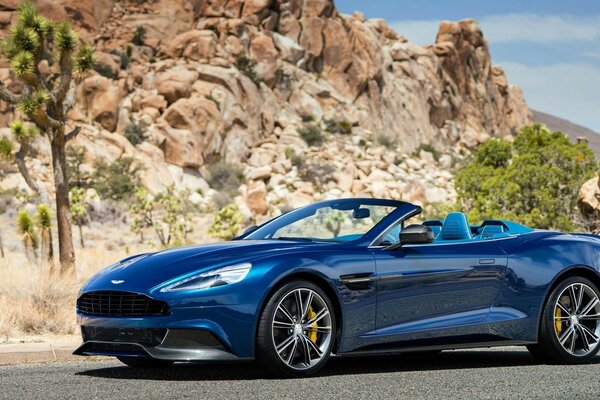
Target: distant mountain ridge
x=572, y=130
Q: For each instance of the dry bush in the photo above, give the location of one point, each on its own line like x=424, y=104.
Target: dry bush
x=35, y=303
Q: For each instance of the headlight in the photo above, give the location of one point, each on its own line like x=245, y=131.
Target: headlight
x=209, y=279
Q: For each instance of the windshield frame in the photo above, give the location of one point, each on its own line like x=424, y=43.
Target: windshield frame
x=273, y=225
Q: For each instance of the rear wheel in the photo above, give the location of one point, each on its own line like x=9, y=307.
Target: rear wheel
x=140, y=362
x=296, y=330
x=570, y=325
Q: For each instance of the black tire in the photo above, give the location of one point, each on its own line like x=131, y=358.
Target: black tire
x=549, y=349
x=141, y=362
x=266, y=352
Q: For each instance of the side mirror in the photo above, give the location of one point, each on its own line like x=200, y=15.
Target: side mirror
x=416, y=234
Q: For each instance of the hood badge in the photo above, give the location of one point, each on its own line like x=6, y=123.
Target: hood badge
x=116, y=282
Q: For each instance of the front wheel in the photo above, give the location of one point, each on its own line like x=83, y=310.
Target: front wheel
x=296, y=331
x=570, y=325
x=141, y=362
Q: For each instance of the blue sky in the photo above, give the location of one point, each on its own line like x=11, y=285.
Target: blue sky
x=550, y=48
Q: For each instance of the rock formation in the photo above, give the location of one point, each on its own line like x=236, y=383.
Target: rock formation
x=238, y=79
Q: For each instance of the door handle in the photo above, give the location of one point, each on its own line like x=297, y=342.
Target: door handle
x=487, y=261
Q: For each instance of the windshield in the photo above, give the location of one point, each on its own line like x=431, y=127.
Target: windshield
x=335, y=221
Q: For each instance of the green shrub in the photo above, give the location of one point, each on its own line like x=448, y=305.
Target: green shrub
x=117, y=180
x=246, y=65
x=294, y=158
x=312, y=135
x=135, y=133
x=332, y=126
x=139, y=36
x=226, y=178
x=105, y=70
x=428, y=148
x=124, y=60
x=227, y=223
x=319, y=173
x=386, y=141
x=534, y=181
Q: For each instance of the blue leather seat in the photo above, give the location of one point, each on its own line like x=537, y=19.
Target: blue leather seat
x=435, y=225
x=456, y=227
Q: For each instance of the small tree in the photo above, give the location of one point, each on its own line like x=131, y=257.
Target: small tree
x=535, y=180
x=227, y=223
x=77, y=176
x=46, y=100
x=167, y=214
x=142, y=211
x=26, y=228
x=43, y=221
x=79, y=211
x=334, y=221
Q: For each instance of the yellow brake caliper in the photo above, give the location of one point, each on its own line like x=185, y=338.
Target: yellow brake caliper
x=312, y=334
x=558, y=321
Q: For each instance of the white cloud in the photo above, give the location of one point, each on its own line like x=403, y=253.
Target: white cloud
x=505, y=28
x=592, y=54
x=570, y=91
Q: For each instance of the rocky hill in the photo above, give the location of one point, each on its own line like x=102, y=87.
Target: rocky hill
x=573, y=131
x=255, y=82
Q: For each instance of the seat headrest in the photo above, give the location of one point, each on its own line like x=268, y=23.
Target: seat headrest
x=456, y=227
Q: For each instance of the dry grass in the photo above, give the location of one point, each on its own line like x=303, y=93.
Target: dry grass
x=34, y=303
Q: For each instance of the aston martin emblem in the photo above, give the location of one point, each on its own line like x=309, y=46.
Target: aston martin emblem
x=116, y=282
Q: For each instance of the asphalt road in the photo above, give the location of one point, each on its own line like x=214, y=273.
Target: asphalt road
x=508, y=373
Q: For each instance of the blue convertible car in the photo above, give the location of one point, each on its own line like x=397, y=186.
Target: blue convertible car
x=347, y=277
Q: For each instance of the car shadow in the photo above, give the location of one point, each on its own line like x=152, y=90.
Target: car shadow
x=336, y=366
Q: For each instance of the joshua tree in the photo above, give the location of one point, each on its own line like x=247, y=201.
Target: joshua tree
x=26, y=228
x=227, y=223
x=79, y=211
x=43, y=221
x=45, y=99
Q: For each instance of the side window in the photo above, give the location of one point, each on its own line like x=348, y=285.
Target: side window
x=391, y=236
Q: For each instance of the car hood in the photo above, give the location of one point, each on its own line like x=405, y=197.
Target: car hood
x=154, y=269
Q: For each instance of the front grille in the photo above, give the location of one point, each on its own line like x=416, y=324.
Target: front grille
x=109, y=303
x=112, y=348
x=145, y=336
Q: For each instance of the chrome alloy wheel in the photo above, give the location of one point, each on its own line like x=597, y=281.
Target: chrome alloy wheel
x=301, y=328
x=577, y=319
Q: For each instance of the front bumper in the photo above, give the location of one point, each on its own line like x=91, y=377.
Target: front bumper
x=163, y=344
x=208, y=333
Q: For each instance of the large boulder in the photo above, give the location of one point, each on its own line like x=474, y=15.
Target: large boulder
x=262, y=49
x=589, y=199
x=194, y=45
x=175, y=83
x=256, y=198
x=191, y=128
x=101, y=98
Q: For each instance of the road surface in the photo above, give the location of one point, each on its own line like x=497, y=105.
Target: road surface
x=507, y=373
